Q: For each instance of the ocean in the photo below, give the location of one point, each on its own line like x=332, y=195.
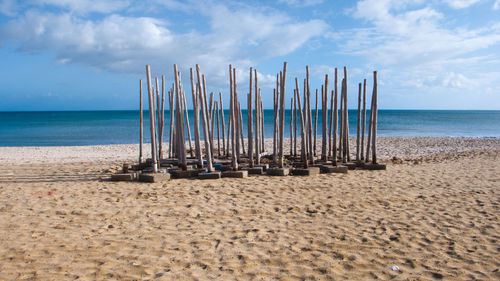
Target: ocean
x=58, y=128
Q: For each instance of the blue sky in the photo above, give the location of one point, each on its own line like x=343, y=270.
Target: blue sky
x=90, y=54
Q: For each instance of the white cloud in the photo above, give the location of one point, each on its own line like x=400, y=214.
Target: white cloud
x=460, y=4
x=126, y=44
x=406, y=36
x=86, y=6
x=496, y=5
x=301, y=3
x=8, y=7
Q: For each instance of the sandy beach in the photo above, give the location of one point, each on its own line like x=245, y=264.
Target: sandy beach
x=433, y=214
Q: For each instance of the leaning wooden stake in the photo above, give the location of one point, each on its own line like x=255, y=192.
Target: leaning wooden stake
x=204, y=118
x=309, y=118
x=236, y=118
x=172, y=130
x=151, y=120
x=275, y=127
x=187, y=123
x=262, y=136
x=234, y=160
x=140, y=121
x=180, y=122
x=374, y=127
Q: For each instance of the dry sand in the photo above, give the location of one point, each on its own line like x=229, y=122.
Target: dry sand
x=434, y=213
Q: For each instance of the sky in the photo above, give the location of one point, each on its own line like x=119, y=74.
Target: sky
x=91, y=54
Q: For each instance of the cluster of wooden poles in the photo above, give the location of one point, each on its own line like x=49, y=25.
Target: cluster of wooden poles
x=247, y=156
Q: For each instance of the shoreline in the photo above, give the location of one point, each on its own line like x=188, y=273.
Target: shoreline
x=409, y=148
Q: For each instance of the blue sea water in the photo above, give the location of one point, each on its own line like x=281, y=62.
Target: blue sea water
x=121, y=127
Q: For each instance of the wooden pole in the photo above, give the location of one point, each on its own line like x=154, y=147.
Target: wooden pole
x=180, y=120
x=204, y=119
x=151, y=120
x=282, y=116
x=236, y=118
x=172, y=130
x=375, y=115
x=369, y=139
x=195, y=94
x=341, y=129
x=212, y=118
x=257, y=120
x=234, y=161
x=275, y=127
x=363, y=121
x=324, y=111
x=295, y=123
x=158, y=117
x=261, y=116
x=309, y=112
x=315, y=136
x=335, y=122
x=330, y=128
x=240, y=125
x=302, y=127
x=187, y=123
x=291, y=126
x=223, y=125
x=140, y=121
x=218, y=130
x=250, y=121
x=359, y=124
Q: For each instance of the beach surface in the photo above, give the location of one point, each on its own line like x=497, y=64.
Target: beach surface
x=432, y=215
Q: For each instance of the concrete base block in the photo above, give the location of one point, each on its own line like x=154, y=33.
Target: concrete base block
x=278, y=171
x=235, y=174
x=140, y=166
x=209, y=175
x=339, y=169
x=263, y=166
x=124, y=176
x=255, y=171
x=183, y=174
x=350, y=165
x=371, y=166
x=150, y=177
x=311, y=171
x=224, y=168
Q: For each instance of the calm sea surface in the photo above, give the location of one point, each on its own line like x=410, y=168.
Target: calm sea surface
x=122, y=127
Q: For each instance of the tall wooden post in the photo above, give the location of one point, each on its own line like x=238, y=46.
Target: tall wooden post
x=140, y=122
x=316, y=123
x=250, y=121
x=223, y=125
x=335, y=122
x=363, y=121
x=282, y=115
x=295, y=123
x=375, y=115
x=309, y=119
x=359, y=124
x=257, y=120
x=324, y=112
x=218, y=130
x=151, y=120
x=302, y=127
x=195, y=94
x=240, y=125
x=291, y=126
